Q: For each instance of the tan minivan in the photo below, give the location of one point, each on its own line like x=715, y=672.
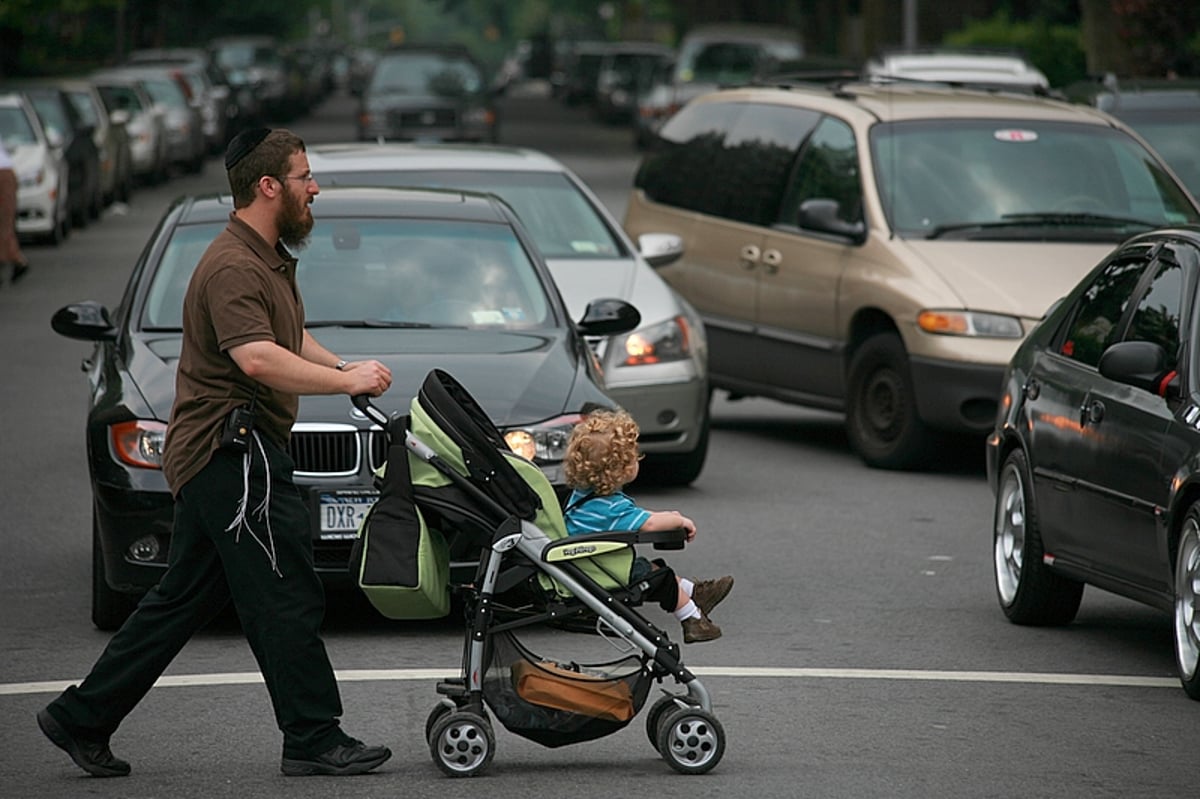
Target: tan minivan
x=882, y=250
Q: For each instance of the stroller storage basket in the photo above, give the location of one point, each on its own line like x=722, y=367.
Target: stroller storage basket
x=557, y=704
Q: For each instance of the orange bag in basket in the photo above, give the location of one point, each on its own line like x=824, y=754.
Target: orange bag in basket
x=550, y=685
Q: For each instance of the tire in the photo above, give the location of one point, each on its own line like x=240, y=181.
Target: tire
x=439, y=712
x=881, y=408
x=691, y=740
x=1028, y=590
x=654, y=716
x=110, y=608
x=1187, y=603
x=462, y=744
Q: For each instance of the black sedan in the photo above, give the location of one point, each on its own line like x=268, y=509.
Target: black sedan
x=1095, y=459
x=415, y=279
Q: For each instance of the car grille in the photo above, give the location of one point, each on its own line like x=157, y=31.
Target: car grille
x=429, y=118
x=335, y=450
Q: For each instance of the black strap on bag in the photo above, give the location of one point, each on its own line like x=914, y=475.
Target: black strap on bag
x=389, y=556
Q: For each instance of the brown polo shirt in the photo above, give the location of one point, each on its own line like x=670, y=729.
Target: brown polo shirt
x=243, y=290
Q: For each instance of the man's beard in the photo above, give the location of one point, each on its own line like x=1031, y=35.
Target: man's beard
x=294, y=222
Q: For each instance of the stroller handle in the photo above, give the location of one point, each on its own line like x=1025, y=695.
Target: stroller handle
x=363, y=403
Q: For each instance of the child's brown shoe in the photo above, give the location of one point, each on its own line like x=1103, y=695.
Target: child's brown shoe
x=697, y=631
x=707, y=594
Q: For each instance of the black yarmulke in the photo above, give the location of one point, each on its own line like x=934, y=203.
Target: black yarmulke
x=241, y=145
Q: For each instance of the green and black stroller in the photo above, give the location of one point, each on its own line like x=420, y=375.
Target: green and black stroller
x=449, y=478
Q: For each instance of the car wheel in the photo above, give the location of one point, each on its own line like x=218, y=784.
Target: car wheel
x=110, y=608
x=679, y=469
x=1028, y=590
x=881, y=409
x=1187, y=603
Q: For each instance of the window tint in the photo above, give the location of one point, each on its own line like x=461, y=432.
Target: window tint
x=1099, y=311
x=827, y=169
x=561, y=220
x=683, y=171
x=1156, y=317
x=757, y=158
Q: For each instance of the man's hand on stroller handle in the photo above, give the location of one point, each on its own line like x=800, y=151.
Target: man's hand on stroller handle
x=367, y=377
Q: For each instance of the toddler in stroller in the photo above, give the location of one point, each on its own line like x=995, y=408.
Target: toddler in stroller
x=602, y=458
x=449, y=474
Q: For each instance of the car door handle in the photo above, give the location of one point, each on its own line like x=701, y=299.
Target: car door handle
x=749, y=256
x=1091, y=412
x=771, y=260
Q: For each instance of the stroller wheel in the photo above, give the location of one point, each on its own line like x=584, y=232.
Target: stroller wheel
x=691, y=740
x=462, y=743
x=435, y=715
x=654, y=716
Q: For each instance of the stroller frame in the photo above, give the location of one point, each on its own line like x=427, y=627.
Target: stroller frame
x=680, y=726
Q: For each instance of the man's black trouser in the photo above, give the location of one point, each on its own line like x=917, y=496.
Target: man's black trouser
x=280, y=613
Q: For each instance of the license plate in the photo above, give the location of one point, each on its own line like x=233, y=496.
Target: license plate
x=341, y=512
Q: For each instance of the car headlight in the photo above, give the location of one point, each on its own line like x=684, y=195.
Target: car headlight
x=667, y=341
x=139, y=443
x=970, y=323
x=544, y=442
x=31, y=179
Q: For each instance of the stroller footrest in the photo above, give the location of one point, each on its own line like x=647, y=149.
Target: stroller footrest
x=452, y=687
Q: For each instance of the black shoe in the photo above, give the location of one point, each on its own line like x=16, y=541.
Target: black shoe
x=352, y=757
x=94, y=757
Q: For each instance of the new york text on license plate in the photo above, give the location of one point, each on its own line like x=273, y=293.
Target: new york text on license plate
x=342, y=511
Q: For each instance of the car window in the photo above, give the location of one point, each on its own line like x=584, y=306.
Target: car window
x=52, y=113
x=561, y=220
x=729, y=63
x=827, y=169
x=937, y=174
x=757, y=157
x=82, y=100
x=1157, y=315
x=426, y=73
x=166, y=91
x=123, y=97
x=1173, y=136
x=1098, y=313
x=384, y=271
x=15, y=129
x=680, y=172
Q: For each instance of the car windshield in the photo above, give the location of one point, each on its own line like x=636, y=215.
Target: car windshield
x=51, y=113
x=561, y=220
x=975, y=177
x=402, y=273
x=244, y=56
x=82, y=100
x=1174, y=137
x=15, y=129
x=426, y=73
x=166, y=91
x=729, y=63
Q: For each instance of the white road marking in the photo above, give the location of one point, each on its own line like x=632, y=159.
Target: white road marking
x=759, y=672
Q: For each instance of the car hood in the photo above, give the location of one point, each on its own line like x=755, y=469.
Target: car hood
x=581, y=280
x=1016, y=278
x=518, y=378
x=28, y=159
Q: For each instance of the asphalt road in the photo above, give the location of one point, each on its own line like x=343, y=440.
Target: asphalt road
x=864, y=654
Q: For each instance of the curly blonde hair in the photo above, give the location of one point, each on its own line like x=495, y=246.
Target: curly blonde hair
x=600, y=451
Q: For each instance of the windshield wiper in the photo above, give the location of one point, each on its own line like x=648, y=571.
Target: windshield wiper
x=1042, y=219
x=372, y=323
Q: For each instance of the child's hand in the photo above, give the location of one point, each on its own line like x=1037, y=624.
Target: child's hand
x=690, y=526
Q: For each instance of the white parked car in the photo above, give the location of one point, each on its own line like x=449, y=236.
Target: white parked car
x=42, y=211
x=657, y=372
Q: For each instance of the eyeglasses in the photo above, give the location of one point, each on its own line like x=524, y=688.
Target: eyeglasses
x=307, y=177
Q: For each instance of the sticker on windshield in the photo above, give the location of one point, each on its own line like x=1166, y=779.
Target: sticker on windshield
x=1015, y=135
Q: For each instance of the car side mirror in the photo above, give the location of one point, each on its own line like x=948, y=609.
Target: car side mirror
x=660, y=249
x=54, y=138
x=1142, y=364
x=607, y=317
x=821, y=214
x=87, y=321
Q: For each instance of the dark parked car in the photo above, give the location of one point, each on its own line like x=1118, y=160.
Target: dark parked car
x=1095, y=459
x=427, y=94
x=416, y=279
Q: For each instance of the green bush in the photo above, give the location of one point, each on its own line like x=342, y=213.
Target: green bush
x=1057, y=50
